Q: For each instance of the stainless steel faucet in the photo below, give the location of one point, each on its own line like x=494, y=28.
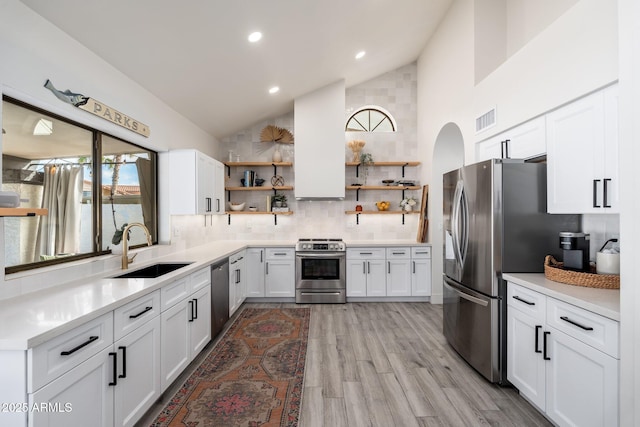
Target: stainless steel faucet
x=125, y=243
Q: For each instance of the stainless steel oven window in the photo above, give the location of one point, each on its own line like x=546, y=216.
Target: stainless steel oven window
x=320, y=268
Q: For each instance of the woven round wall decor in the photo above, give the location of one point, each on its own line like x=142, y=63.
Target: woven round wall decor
x=277, y=181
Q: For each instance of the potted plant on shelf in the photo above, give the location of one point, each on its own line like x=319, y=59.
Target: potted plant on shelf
x=408, y=203
x=280, y=200
x=366, y=159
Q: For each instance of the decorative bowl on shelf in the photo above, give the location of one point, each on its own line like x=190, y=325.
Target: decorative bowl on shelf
x=383, y=205
x=259, y=182
x=236, y=206
x=253, y=208
x=388, y=181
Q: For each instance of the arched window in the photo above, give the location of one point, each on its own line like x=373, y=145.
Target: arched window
x=371, y=118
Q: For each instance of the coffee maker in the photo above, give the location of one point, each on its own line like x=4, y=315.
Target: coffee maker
x=575, y=248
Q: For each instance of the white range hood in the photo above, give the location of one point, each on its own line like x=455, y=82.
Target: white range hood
x=319, y=119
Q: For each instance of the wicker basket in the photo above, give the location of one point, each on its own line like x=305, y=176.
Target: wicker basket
x=553, y=270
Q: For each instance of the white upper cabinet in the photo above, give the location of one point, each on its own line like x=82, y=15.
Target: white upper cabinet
x=582, y=146
x=522, y=142
x=320, y=143
x=196, y=183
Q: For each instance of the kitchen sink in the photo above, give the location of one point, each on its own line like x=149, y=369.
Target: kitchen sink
x=152, y=271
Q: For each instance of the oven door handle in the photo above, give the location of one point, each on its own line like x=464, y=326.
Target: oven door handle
x=319, y=293
x=321, y=255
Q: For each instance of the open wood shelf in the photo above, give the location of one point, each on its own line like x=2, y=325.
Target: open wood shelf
x=258, y=213
x=381, y=212
x=383, y=187
x=279, y=187
x=384, y=163
x=255, y=164
x=23, y=212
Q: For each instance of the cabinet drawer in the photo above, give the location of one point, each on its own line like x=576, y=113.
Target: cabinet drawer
x=527, y=301
x=200, y=279
x=597, y=331
x=174, y=292
x=279, y=253
x=53, y=358
x=132, y=315
x=398, y=253
x=420, y=252
x=366, y=253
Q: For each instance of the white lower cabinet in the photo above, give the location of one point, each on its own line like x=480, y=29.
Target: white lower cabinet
x=420, y=271
x=80, y=397
x=366, y=272
x=138, y=379
x=398, y=272
x=563, y=359
x=236, y=281
x=114, y=387
x=280, y=272
x=255, y=273
x=186, y=329
x=389, y=272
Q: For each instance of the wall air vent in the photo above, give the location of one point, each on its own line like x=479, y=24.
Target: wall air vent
x=486, y=120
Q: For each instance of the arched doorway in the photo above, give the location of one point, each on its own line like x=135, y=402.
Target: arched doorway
x=448, y=154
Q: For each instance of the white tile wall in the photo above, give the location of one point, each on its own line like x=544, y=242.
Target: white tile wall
x=601, y=228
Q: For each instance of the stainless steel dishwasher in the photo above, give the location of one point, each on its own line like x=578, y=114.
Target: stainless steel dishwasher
x=219, y=296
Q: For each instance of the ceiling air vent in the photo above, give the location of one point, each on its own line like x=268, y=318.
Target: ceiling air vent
x=486, y=120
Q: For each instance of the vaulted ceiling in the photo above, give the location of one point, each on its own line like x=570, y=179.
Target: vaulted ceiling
x=195, y=56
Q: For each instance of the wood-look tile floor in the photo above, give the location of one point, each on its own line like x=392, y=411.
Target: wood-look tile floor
x=388, y=364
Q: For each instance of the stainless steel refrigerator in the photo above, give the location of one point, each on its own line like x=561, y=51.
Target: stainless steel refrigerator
x=495, y=221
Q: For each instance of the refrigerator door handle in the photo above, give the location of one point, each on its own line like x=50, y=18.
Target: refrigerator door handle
x=456, y=288
x=455, y=221
x=464, y=243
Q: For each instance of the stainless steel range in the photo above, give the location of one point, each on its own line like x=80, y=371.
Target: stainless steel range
x=321, y=271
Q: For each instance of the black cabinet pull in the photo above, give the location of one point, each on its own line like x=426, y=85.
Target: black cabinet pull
x=414, y=267
x=544, y=345
x=537, y=341
x=366, y=253
x=502, y=149
x=135, y=316
x=506, y=148
x=595, y=193
x=364, y=267
x=604, y=193
x=267, y=268
x=191, y=310
x=195, y=308
x=368, y=267
x=389, y=267
x=516, y=297
x=566, y=319
x=217, y=205
x=124, y=362
x=260, y=255
x=280, y=253
x=115, y=368
x=73, y=350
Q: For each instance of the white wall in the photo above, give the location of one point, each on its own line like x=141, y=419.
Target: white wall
x=33, y=50
x=573, y=56
x=629, y=108
x=445, y=94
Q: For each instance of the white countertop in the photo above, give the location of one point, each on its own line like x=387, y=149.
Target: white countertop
x=605, y=302
x=34, y=318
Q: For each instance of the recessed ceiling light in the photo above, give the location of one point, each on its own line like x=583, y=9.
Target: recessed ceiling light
x=255, y=36
x=274, y=89
x=360, y=54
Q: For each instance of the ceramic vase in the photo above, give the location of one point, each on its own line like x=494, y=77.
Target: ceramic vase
x=277, y=155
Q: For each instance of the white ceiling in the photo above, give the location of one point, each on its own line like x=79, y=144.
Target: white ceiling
x=194, y=55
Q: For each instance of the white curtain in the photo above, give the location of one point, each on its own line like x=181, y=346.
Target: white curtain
x=145, y=178
x=59, y=231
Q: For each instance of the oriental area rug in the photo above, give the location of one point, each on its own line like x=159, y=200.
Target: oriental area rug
x=252, y=377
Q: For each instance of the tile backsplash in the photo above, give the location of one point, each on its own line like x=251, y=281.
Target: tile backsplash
x=601, y=228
